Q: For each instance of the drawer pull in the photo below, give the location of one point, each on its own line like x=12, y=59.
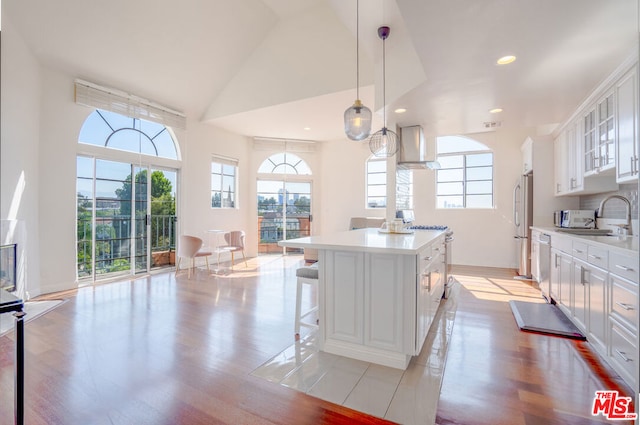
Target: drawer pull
x=625, y=268
x=623, y=355
x=436, y=249
x=627, y=307
x=595, y=256
x=428, y=258
x=578, y=251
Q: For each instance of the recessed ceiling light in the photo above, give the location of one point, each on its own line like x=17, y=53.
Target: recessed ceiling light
x=307, y=128
x=505, y=60
x=495, y=110
x=400, y=110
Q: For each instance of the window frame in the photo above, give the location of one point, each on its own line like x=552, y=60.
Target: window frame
x=368, y=205
x=224, y=163
x=465, y=179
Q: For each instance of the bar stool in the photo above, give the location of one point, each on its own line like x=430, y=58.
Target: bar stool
x=305, y=275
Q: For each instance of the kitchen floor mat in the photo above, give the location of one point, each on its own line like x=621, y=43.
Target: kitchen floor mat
x=544, y=318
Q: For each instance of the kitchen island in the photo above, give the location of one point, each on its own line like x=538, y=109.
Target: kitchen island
x=377, y=292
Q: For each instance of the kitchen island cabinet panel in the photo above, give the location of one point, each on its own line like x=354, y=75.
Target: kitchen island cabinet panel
x=384, y=300
x=344, y=276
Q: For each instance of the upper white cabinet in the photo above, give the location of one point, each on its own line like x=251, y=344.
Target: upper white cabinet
x=599, y=135
x=627, y=126
x=568, y=161
x=527, y=156
x=595, y=149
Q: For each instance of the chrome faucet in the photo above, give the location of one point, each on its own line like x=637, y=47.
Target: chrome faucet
x=600, y=213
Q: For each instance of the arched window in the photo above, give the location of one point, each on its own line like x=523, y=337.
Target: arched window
x=284, y=163
x=115, y=131
x=465, y=177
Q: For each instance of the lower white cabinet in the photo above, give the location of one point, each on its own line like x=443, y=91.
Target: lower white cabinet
x=561, y=268
x=580, y=292
x=597, y=288
x=596, y=280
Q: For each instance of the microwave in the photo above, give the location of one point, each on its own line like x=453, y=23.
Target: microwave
x=575, y=219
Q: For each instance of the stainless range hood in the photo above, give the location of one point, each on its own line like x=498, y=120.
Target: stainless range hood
x=413, y=149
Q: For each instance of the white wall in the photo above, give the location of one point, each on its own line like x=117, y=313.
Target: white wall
x=19, y=153
x=343, y=175
x=199, y=142
x=483, y=237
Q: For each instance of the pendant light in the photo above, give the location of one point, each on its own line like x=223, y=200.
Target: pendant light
x=357, y=118
x=384, y=142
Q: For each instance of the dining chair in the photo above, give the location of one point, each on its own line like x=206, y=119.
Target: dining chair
x=235, y=242
x=190, y=247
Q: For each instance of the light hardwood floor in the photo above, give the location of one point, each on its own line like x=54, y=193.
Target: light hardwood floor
x=166, y=350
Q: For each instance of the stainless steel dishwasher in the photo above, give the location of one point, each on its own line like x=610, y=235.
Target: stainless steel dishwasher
x=542, y=266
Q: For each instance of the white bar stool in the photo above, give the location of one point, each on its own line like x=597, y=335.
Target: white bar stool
x=306, y=275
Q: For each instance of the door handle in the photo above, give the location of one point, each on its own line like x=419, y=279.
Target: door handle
x=516, y=220
x=626, y=306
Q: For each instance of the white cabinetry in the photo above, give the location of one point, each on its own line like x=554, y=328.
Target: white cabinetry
x=344, y=283
x=623, y=316
x=597, y=288
x=430, y=289
x=568, y=160
x=379, y=306
x=536, y=152
x=560, y=275
x=627, y=127
x=599, y=135
x=596, y=147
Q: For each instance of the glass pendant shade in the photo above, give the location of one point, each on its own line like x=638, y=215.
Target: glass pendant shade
x=357, y=121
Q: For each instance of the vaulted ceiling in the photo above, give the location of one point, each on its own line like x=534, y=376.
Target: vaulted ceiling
x=270, y=68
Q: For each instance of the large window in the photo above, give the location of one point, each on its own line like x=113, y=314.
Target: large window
x=224, y=174
x=465, y=177
x=126, y=208
x=376, y=182
x=284, y=201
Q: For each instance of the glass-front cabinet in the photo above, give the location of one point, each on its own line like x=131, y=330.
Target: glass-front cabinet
x=606, y=133
x=599, y=136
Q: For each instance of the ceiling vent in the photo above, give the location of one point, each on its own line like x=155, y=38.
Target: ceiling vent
x=492, y=124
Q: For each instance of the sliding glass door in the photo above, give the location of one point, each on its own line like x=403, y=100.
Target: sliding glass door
x=117, y=230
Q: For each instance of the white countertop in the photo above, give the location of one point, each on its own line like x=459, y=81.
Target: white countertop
x=629, y=244
x=368, y=240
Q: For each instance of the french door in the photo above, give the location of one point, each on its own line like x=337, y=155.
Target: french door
x=125, y=219
x=284, y=212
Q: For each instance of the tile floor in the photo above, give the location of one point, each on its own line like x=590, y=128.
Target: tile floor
x=404, y=396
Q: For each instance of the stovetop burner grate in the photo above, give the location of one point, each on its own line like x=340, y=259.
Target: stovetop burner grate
x=428, y=227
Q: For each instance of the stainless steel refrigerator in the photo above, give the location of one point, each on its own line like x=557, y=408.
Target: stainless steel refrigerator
x=523, y=220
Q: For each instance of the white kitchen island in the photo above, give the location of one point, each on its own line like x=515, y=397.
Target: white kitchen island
x=377, y=293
